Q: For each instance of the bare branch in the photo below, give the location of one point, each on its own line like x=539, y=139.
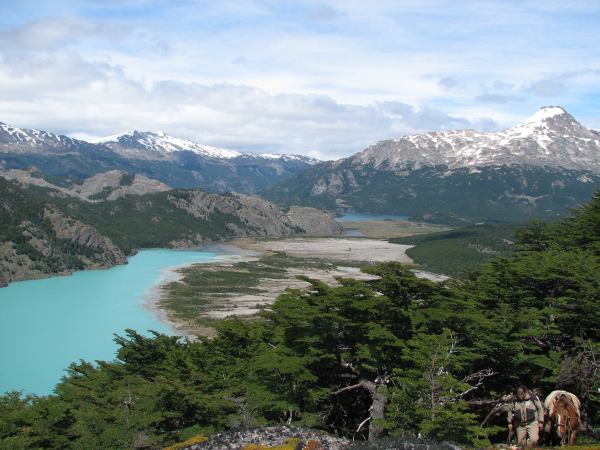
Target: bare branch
x=479, y=375
x=498, y=407
x=356, y=386
x=362, y=423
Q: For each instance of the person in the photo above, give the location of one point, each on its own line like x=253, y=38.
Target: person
x=526, y=415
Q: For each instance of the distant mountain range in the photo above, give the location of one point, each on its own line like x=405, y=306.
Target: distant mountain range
x=179, y=163
x=534, y=170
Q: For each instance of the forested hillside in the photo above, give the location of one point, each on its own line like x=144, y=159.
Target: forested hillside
x=465, y=249
x=36, y=240
x=398, y=356
x=43, y=233
x=488, y=194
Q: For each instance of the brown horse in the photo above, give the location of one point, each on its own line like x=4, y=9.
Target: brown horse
x=563, y=411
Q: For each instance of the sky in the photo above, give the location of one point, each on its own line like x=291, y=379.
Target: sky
x=321, y=79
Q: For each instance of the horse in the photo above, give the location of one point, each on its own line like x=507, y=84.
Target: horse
x=563, y=414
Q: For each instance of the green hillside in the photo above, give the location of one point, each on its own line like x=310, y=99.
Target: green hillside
x=465, y=249
x=151, y=220
x=29, y=245
x=497, y=194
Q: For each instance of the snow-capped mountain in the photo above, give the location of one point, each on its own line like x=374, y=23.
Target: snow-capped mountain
x=551, y=137
x=534, y=170
x=149, y=145
x=22, y=140
x=179, y=163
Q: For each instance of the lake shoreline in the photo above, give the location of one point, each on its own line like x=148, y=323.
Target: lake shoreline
x=225, y=252
x=337, y=250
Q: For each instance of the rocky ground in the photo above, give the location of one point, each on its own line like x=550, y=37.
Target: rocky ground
x=341, y=249
x=295, y=438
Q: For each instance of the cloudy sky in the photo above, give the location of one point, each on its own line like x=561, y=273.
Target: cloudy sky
x=324, y=79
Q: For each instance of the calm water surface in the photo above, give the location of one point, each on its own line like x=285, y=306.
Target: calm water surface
x=363, y=217
x=45, y=325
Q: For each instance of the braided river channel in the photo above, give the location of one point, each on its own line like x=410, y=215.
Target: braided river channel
x=45, y=325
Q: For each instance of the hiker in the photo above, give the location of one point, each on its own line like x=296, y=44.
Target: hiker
x=526, y=414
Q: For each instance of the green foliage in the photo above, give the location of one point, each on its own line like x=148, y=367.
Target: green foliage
x=105, y=192
x=395, y=354
x=465, y=249
x=126, y=179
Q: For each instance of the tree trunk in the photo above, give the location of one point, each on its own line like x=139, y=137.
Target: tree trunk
x=377, y=407
x=377, y=411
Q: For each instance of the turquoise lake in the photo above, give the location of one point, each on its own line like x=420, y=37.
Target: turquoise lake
x=45, y=325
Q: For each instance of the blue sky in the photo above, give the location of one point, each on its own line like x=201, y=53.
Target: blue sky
x=324, y=79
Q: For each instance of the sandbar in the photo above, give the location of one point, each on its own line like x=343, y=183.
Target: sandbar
x=337, y=249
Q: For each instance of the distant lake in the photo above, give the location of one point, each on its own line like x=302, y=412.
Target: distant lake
x=45, y=325
x=363, y=217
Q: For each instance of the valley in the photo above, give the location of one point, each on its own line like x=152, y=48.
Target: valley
x=297, y=317
x=208, y=292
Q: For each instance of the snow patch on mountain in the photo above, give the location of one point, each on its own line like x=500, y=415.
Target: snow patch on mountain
x=551, y=137
x=135, y=142
x=161, y=142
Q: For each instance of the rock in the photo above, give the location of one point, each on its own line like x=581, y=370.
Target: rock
x=314, y=221
x=261, y=216
x=77, y=231
x=271, y=437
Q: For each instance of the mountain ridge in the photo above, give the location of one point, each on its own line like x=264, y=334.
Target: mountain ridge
x=550, y=137
x=173, y=161
x=163, y=144
x=536, y=169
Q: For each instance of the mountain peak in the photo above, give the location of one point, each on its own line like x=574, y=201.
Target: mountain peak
x=545, y=113
x=551, y=137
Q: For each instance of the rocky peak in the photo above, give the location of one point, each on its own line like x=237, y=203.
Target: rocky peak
x=551, y=137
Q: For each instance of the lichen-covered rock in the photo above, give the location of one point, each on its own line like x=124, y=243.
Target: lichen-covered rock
x=296, y=438
x=277, y=438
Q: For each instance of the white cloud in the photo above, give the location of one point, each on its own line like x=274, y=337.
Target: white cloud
x=48, y=34
x=552, y=87
x=450, y=83
x=321, y=78
x=322, y=13
x=498, y=99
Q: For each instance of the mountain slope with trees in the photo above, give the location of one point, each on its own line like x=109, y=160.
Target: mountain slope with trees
x=43, y=234
x=398, y=355
x=37, y=240
x=534, y=170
